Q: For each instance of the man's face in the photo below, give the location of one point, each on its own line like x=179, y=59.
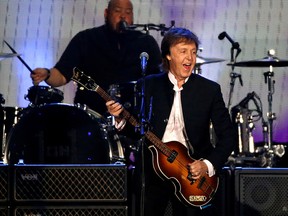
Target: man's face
x=119, y=10
x=182, y=59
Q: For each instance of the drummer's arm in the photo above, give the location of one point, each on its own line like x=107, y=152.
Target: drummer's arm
x=52, y=77
x=55, y=78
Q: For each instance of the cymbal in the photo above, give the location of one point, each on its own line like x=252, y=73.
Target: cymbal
x=264, y=62
x=7, y=55
x=201, y=60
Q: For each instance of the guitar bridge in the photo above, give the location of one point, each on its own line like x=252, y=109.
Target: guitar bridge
x=172, y=156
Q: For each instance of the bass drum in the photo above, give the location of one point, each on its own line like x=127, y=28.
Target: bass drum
x=59, y=133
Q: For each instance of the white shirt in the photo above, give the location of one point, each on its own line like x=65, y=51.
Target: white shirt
x=175, y=126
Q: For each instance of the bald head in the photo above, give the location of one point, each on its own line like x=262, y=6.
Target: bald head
x=113, y=3
x=118, y=10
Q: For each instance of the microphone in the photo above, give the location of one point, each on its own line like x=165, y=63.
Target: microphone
x=123, y=26
x=245, y=101
x=222, y=35
x=144, y=58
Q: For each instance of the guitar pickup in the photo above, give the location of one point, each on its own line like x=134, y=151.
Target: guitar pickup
x=172, y=156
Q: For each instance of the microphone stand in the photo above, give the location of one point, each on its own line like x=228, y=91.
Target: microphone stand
x=150, y=26
x=142, y=141
x=233, y=76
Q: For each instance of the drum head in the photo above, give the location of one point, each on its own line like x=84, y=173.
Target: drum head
x=58, y=133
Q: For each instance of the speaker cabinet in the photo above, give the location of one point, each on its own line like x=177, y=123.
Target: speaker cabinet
x=71, y=210
x=261, y=191
x=4, y=210
x=3, y=183
x=70, y=183
x=223, y=199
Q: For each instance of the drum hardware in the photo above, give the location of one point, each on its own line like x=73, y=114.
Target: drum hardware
x=245, y=117
x=245, y=125
x=251, y=127
x=239, y=122
x=202, y=60
x=110, y=129
x=7, y=55
x=11, y=116
x=39, y=95
x=126, y=94
x=268, y=76
x=279, y=150
x=268, y=61
x=270, y=150
x=114, y=91
x=233, y=76
x=2, y=100
x=255, y=160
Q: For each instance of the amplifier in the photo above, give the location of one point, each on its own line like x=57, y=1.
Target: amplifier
x=4, y=210
x=70, y=182
x=70, y=210
x=3, y=183
x=261, y=191
x=224, y=199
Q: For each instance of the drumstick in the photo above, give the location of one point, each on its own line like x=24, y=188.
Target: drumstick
x=18, y=56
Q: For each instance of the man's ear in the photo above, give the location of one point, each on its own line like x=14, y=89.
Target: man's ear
x=105, y=13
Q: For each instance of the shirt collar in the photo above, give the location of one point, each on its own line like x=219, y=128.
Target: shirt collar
x=174, y=81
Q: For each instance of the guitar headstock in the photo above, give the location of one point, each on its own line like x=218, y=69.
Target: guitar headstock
x=85, y=81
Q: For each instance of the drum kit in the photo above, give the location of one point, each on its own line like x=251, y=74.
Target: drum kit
x=268, y=154
x=49, y=131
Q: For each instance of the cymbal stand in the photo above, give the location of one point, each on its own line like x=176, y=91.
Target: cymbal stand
x=270, y=115
x=3, y=119
x=268, y=133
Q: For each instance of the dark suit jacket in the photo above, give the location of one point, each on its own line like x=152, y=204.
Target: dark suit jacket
x=202, y=101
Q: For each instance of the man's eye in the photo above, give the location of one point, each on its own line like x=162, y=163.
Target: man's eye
x=128, y=11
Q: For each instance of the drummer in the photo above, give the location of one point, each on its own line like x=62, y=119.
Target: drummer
x=108, y=54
